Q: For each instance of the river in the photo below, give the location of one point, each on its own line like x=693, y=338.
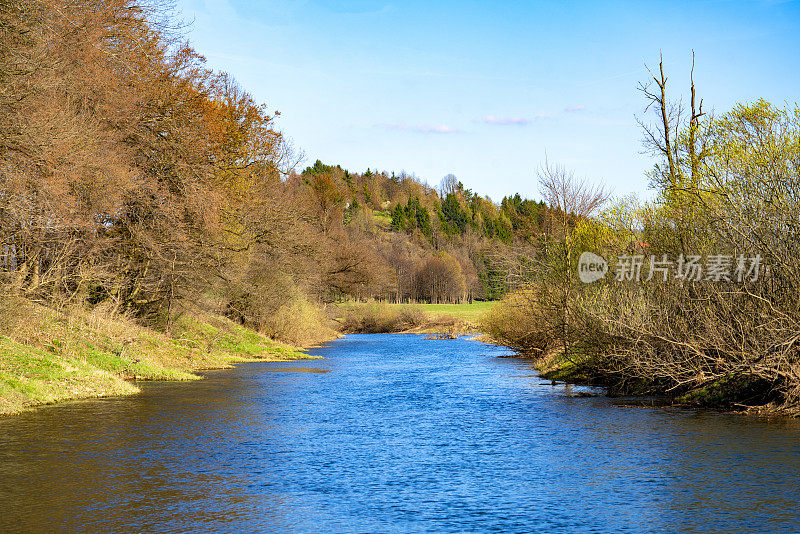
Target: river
x=392, y=433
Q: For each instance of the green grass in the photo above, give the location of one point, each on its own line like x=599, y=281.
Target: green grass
x=48, y=356
x=213, y=334
x=30, y=375
x=471, y=313
x=383, y=219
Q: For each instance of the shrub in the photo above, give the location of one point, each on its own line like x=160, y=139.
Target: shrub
x=375, y=318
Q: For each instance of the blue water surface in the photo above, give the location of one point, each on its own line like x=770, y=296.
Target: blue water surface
x=393, y=433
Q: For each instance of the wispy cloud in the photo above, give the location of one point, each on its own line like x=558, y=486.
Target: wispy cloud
x=358, y=8
x=439, y=128
x=506, y=121
x=420, y=128
x=575, y=109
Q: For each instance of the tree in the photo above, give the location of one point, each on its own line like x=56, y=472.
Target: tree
x=571, y=200
x=454, y=218
x=450, y=185
x=439, y=279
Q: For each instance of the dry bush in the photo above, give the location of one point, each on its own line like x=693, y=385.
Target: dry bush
x=521, y=322
x=298, y=322
x=376, y=318
x=729, y=342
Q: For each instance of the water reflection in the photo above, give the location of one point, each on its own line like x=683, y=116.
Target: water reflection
x=392, y=434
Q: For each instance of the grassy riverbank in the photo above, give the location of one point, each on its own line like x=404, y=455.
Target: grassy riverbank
x=378, y=317
x=48, y=355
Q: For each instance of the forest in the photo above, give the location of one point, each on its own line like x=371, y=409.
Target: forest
x=136, y=176
x=138, y=180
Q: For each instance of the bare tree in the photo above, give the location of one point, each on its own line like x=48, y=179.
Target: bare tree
x=449, y=185
x=570, y=199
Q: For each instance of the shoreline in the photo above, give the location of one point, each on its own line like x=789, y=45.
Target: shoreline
x=55, y=356
x=49, y=356
x=549, y=367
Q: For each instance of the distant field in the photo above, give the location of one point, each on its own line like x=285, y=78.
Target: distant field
x=470, y=313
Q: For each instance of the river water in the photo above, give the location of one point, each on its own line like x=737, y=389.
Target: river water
x=392, y=433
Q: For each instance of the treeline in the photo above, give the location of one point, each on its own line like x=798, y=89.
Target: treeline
x=135, y=177
x=426, y=244
x=702, y=298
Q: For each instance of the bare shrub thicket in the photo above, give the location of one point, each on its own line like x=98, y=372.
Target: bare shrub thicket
x=726, y=185
x=539, y=317
x=738, y=338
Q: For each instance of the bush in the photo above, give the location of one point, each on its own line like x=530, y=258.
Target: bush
x=520, y=322
x=376, y=318
x=298, y=322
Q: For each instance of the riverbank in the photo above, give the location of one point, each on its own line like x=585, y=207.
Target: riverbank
x=49, y=355
x=599, y=355
x=418, y=318
x=582, y=370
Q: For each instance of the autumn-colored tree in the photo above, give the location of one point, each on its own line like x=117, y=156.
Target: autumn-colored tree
x=439, y=279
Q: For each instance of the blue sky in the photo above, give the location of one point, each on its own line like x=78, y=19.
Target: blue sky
x=487, y=90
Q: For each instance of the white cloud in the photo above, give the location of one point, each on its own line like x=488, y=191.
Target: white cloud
x=506, y=121
x=439, y=128
x=420, y=128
